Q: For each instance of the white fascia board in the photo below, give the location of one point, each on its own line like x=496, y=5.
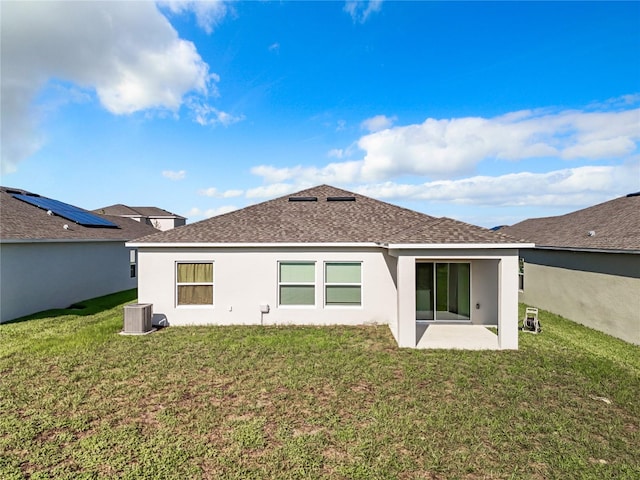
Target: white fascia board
x=253, y=245
x=131, y=217
x=457, y=246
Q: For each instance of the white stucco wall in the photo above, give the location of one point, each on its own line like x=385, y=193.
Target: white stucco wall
x=599, y=290
x=41, y=276
x=484, y=292
x=166, y=223
x=245, y=278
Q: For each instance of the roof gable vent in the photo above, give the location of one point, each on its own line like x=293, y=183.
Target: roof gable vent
x=636, y=194
x=341, y=199
x=303, y=199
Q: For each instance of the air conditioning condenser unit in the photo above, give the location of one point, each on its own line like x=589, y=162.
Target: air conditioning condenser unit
x=137, y=319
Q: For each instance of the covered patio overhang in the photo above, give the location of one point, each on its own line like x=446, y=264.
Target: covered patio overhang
x=482, y=289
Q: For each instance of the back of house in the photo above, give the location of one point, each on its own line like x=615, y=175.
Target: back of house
x=329, y=256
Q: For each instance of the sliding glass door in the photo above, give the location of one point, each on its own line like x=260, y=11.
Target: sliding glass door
x=425, y=289
x=443, y=291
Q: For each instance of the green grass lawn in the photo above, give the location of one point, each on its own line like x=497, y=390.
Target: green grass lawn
x=77, y=400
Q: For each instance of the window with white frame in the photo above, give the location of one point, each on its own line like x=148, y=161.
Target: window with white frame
x=343, y=283
x=297, y=283
x=194, y=283
x=521, y=274
x=132, y=263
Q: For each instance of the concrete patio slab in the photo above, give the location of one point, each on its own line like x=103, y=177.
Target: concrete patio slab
x=467, y=337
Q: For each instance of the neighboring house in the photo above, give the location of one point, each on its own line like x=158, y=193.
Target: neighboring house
x=156, y=217
x=586, y=266
x=328, y=256
x=53, y=254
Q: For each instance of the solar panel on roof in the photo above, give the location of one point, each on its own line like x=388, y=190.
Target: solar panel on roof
x=67, y=211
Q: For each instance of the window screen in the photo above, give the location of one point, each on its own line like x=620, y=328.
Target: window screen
x=297, y=283
x=343, y=283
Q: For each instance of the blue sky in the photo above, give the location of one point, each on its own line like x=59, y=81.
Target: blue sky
x=489, y=113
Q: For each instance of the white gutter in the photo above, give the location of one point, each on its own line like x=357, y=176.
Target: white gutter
x=456, y=246
x=253, y=245
x=390, y=246
x=148, y=217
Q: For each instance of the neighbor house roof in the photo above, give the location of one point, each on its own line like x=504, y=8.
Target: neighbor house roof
x=612, y=225
x=326, y=214
x=21, y=221
x=126, y=211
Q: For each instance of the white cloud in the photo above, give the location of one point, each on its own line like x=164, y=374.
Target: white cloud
x=441, y=148
x=174, y=175
x=197, y=213
x=18, y=129
x=377, y=123
x=585, y=185
x=343, y=153
x=342, y=172
x=274, y=47
x=617, y=102
x=360, y=10
x=610, y=147
x=273, y=190
x=600, y=134
x=205, y=114
x=272, y=174
x=454, y=147
x=209, y=13
x=214, y=192
x=126, y=52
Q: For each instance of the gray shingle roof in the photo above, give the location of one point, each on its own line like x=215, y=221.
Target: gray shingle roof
x=125, y=210
x=117, y=209
x=448, y=230
x=364, y=220
x=615, y=225
x=21, y=221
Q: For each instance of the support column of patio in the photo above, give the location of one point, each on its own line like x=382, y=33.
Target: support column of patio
x=508, y=302
x=407, y=301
